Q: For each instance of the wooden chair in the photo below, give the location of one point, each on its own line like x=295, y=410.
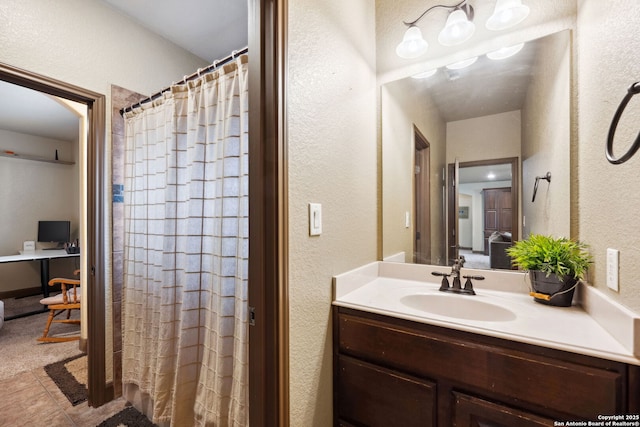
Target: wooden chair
x=67, y=300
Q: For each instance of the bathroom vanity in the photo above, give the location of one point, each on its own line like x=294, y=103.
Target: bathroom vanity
x=398, y=363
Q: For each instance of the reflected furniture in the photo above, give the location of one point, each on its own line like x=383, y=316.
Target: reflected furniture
x=498, y=245
x=66, y=301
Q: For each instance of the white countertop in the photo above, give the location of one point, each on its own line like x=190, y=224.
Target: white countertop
x=381, y=286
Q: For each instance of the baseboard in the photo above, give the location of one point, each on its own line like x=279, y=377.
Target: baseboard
x=82, y=345
x=27, y=292
x=21, y=293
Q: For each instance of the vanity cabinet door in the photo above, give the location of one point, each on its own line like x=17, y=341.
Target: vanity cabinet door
x=474, y=412
x=376, y=397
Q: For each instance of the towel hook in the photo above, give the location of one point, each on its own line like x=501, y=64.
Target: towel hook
x=547, y=177
x=633, y=89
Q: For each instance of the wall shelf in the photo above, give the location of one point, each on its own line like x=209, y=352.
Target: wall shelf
x=12, y=155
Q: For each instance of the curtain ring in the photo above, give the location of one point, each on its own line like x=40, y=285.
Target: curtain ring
x=633, y=90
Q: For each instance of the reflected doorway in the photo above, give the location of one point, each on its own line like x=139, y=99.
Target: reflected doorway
x=421, y=202
x=483, y=199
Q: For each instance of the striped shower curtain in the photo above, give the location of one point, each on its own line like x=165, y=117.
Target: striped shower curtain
x=185, y=329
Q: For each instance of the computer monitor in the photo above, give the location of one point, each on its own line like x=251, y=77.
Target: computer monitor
x=54, y=232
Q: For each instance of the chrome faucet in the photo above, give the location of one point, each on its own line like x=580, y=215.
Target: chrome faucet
x=457, y=288
x=458, y=263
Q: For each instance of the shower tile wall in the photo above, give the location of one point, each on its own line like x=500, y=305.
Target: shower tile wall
x=120, y=98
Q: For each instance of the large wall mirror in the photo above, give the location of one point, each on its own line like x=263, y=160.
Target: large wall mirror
x=461, y=151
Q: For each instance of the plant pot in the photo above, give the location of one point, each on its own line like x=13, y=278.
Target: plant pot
x=559, y=292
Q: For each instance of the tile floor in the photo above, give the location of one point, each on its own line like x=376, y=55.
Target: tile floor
x=32, y=399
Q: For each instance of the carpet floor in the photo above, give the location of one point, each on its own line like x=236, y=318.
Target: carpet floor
x=20, y=351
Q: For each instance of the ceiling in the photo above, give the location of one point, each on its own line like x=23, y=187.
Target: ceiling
x=210, y=29
x=34, y=113
x=487, y=87
x=475, y=174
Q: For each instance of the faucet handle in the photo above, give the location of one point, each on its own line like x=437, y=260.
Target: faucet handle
x=468, y=286
x=444, y=285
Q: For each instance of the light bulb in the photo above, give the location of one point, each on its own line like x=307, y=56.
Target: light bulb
x=507, y=14
x=458, y=29
x=412, y=44
x=425, y=74
x=462, y=64
x=505, y=52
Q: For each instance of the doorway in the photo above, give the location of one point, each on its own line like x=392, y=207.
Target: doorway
x=93, y=253
x=421, y=201
x=476, y=174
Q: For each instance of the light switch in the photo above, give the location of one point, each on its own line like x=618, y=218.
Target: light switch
x=613, y=260
x=315, y=219
x=407, y=220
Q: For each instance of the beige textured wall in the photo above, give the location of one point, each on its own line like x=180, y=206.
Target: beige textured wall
x=400, y=111
x=546, y=139
x=608, y=42
x=88, y=44
x=332, y=160
x=489, y=137
x=52, y=196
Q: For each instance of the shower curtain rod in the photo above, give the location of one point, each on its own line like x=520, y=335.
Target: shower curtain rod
x=217, y=63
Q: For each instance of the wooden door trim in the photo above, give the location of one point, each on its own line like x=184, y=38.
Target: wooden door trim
x=422, y=144
x=99, y=392
x=268, y=250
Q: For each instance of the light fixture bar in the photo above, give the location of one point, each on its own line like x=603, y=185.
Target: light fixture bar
x=455, y=6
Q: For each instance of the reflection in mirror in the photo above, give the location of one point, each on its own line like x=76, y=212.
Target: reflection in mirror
x=487, y=220
x=512, y=112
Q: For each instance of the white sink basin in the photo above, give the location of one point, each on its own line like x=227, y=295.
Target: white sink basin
x=458, y=307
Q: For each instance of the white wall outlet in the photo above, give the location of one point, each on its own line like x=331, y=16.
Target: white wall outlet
x=613, y=266
x=315, y=219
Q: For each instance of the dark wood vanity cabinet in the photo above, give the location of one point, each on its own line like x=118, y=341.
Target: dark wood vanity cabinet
x=392, y=372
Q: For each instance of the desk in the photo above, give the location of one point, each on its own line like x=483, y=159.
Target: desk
x=39, y=255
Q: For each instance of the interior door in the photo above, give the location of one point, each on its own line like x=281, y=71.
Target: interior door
x=498, y=212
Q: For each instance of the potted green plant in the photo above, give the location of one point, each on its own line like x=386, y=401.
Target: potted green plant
x=555, y=266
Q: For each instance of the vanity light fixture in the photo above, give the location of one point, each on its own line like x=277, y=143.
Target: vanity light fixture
x=458, y=29
x=459, y=26
x=412, y=45
x=491, y=175
x=462, y=64
x=425, y=74
x=507, y=14
x=505, y=52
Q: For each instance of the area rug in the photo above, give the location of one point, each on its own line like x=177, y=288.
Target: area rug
x=70, y=375
x=128, y=417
